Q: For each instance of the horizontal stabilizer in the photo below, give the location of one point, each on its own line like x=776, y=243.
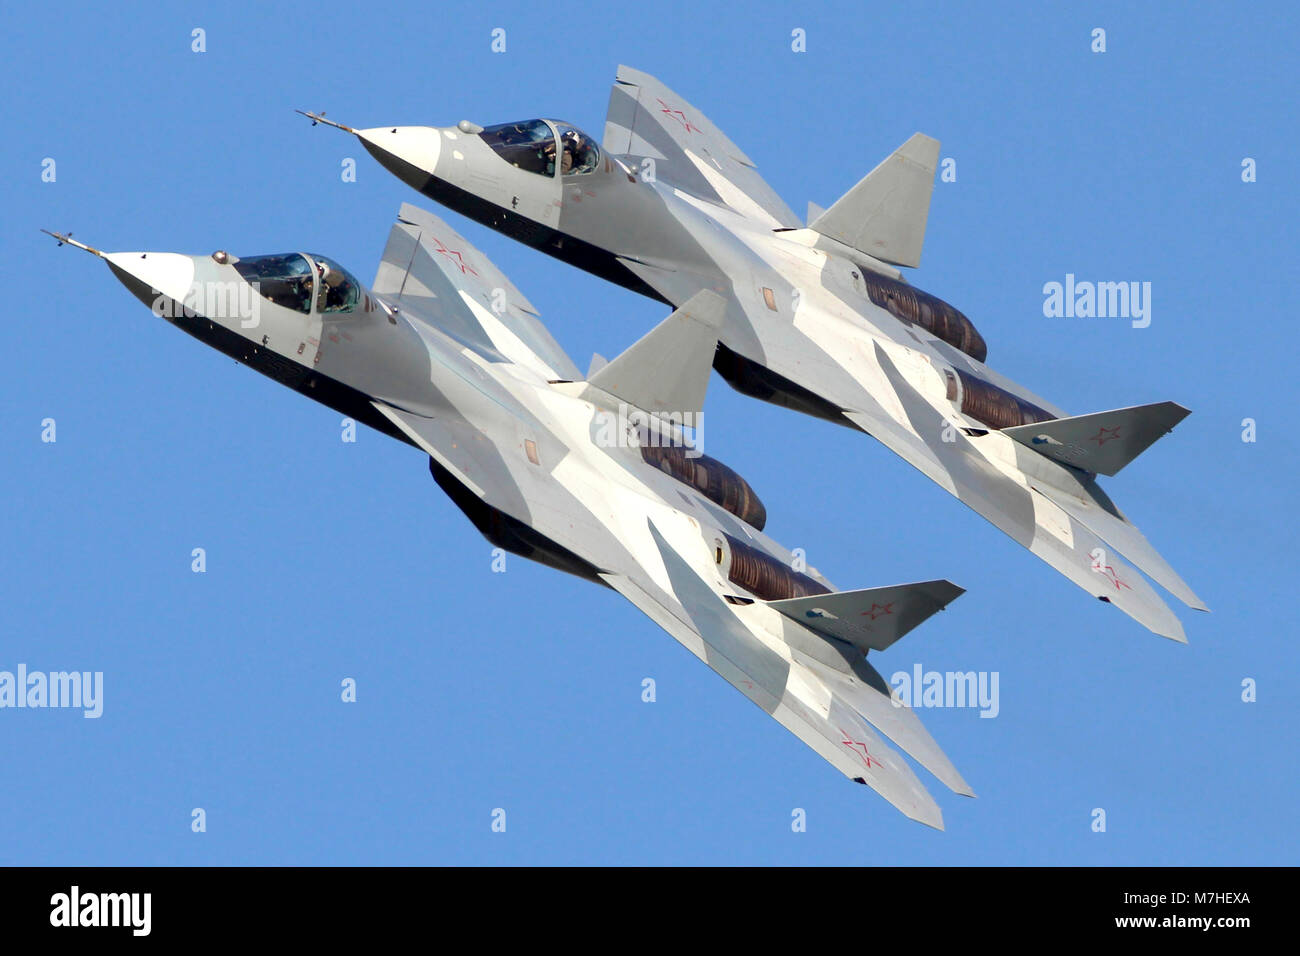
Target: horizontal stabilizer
x=709, y=629
x=1103, y=442
x=1029, y=518
x=667, y=371
x=884, y=215
x=873, y=618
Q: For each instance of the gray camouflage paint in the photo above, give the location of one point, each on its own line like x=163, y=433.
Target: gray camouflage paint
x=708, y=221
x=471, y=378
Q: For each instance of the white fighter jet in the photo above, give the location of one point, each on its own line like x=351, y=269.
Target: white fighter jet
x=817, y=317
x=592, y=476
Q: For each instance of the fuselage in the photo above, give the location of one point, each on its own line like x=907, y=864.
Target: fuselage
x=549, y=468
x=569, y=483
x=831, y=313
x=810, y=323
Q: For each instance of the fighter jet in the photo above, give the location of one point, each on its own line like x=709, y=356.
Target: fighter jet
x=596, y=476
x=818, y=317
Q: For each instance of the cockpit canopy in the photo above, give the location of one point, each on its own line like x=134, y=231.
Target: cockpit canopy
x=580, y=154
x=289, y=281
x=285, y=280
x=531, y=145
x=336, y=290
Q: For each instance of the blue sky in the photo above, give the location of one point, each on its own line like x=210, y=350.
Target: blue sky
x=521, y=690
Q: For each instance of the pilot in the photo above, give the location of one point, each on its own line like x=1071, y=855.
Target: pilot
x=571, y=152
x=297, y=280
x=331, y=287
x=300, y=287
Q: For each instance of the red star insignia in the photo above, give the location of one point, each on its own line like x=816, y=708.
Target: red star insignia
x=679, y=116
x=1102, y=437
x=456, y=258
x=1111, y=576
x=860, y=749
x=878, y=610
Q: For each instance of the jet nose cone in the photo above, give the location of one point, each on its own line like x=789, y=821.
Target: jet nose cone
x=150, y=275
x=409, y=152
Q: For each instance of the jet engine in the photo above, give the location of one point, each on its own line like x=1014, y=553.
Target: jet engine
x=763, y=575
x=920, y=308
x=996, y=407
x=710, y=478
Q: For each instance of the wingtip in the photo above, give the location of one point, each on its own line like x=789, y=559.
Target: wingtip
x=1171, y=628
x=921, y=807
x=931, y=816
x=961, y=787
x=1175, y=634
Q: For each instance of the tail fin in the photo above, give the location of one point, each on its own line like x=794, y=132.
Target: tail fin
x=873, y=618
x=647, y=119
x=1103, y=442
x=884, y=215
x=431, y=270
x=668, y=369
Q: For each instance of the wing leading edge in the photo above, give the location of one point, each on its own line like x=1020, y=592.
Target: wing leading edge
x=845, y=728
x=1081, y=537
x=1030, y=515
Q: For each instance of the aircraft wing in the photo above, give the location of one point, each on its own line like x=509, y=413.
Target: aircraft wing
x=647, y=120
x=839, y=729
x=1030, y=515
x=845, y=728
x=463, y=452
x=1080, y=538
x=430, y=270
